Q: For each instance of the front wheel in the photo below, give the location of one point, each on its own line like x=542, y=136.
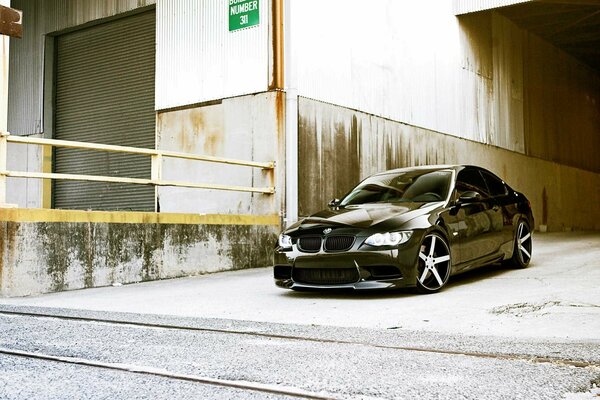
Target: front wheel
x=434, y=263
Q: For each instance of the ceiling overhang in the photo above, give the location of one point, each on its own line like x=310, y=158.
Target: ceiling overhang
x=571, y=25
x=470, y=6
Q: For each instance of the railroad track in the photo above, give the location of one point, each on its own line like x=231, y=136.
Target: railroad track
x=143, y=370
x=508, y=357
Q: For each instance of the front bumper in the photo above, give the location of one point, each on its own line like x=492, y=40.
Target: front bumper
x=372, y=269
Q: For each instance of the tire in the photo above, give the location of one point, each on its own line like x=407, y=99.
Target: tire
x=433, y=264
x=522, y=246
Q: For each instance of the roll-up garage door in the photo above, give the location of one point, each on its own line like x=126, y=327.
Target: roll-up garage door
x=105, y=94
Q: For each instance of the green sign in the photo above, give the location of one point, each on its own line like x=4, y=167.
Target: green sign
x=243, y=14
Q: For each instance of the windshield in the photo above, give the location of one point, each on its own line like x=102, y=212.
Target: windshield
x=412, y=186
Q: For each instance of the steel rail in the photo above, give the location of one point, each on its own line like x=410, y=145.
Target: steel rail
x=134, y=150
x=136, y=181
x=144, y=370
x=506, y=357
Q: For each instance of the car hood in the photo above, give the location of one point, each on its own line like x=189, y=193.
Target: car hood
x=366, y=216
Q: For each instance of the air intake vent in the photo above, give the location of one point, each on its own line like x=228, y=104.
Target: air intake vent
x=339, y=243
x=325, y=276
x=310, y=243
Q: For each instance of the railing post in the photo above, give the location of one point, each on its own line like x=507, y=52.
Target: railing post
x=156, y=172
x=156, y=176
x=3, y=157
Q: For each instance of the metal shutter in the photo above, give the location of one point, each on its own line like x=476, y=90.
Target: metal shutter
x=105, y=94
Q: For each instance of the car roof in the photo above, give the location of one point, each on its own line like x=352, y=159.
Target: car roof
x=455, y=167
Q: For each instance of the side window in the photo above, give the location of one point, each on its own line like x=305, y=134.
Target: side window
x=471, y=180
x=494, y=184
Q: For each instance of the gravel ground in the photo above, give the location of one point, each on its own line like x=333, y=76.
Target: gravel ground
x=343, y=370
x=23, y=378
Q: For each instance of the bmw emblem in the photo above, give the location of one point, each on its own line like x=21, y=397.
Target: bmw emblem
x=327, y=231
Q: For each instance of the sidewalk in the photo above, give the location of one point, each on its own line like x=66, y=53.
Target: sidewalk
x=558, y=296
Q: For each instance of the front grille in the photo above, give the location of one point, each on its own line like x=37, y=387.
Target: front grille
x=325, y=276
x=310, y=243
x=338, y=243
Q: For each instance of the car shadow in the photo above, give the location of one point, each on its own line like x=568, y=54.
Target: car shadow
x=349, y=294
x=478, y=274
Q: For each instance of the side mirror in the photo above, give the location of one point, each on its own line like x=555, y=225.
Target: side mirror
x=334, y=203
x=469, y=197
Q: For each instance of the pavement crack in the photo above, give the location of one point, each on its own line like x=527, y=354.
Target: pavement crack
x=521, y=309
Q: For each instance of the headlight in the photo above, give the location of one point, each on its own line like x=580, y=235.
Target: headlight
x=285, y=241
x=388, y=238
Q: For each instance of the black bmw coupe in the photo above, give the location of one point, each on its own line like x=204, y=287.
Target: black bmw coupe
x=410, y=227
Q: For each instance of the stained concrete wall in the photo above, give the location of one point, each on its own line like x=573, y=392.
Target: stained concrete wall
x=562, y=106
x=529, y=95
x=35, y=257
x=246, y=128
x=338, y=147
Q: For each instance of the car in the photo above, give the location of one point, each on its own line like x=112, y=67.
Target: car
x=408, y=228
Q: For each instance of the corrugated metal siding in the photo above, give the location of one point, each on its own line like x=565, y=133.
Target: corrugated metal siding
x=105, y=94
x=469, y=6
x=27, y=54
x=198, y=59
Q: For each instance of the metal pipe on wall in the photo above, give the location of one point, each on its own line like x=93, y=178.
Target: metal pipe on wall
x=291, y=120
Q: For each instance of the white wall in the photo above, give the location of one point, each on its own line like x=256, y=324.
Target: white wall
x=412, y=61
x=198, y=59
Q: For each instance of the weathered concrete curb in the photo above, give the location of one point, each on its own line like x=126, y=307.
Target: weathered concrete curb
x=42, y=257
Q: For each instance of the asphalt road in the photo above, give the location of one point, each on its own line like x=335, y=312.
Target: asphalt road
x=492, y=334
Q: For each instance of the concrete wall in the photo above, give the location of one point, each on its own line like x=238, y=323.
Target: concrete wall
x=35, y=257
x=562, y=113
x=530, y=96
x=339, y=147
x=246, y=128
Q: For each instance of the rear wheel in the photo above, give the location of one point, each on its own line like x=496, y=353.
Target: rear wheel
x=433, y=266
x=522, y=247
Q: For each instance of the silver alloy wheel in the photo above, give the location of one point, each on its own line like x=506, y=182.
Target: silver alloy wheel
x=434, y=264
x=524, y=243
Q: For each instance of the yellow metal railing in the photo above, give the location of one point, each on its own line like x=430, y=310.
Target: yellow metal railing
x=156, y=165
